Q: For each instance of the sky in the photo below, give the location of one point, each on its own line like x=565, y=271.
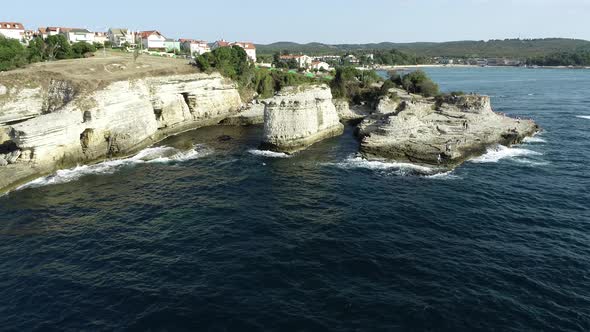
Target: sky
x=326, y=21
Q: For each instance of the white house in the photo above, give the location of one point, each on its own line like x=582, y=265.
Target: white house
x=247, y=46
x=12, y=30
x=100, y=37
x=119, y=37
x=195, y=46
x=152, y=40
x=303, y=61
x=319, y=65
x=79, y=35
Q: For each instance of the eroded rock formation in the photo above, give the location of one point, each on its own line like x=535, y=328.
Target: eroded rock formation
x=298, y=117
x=42, y=129
x=443, y=132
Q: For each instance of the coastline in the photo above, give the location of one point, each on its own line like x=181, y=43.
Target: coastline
x=467, y=66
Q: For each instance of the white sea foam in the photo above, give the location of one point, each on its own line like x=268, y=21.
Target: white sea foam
x=160, y=154
x=269, y=154
x=534, y=139
x=499, y=152
x=398, y=168
x=587, y=117
x=443, y=176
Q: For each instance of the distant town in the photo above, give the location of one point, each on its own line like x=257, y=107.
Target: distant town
x=153, y=42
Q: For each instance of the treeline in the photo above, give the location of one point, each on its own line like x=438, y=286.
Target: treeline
x=396, y=57
x=233, y=62
x=511, y=48
x=15, y=55
x=580, y=58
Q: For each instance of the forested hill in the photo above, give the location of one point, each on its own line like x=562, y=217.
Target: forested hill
x=512, y=48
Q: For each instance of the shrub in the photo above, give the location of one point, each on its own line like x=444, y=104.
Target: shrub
x=419, y=83
x=12, y=54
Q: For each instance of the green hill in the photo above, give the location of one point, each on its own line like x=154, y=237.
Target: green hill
x=511, y=48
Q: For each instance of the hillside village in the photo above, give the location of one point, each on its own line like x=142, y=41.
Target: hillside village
x=155, y=43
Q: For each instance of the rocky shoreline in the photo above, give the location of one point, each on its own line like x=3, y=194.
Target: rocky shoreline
x=56, y=126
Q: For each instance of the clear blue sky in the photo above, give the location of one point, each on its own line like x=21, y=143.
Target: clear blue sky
x=328, y=21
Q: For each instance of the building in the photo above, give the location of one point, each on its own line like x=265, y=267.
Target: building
x=247, y=46
x=120, y=37
x=352, y=59
x=152, y=40
x=54, y=31
x=12, y=30
x=195, y=46
x=319, y=65
x=78, y=35
x=220, y=43
x=172, y=45
x=303, y=61
x=101, y=37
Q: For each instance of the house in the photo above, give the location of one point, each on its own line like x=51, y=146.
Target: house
x=152, y=40
x=303, y=61
x=319, y=65
x=120, y=37
x=220, y=43
x=247, y=46
x=351, y=59
x=78, y=35
x=12, y=30
x=195, y=46
x=100, y=37
x=172, y=45
x=54, y=31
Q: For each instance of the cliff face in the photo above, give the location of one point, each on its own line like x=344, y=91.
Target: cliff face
x=298, y=117
x=444, y=133
x=59, y=126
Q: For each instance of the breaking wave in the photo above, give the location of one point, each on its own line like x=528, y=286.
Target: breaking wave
x=583, y=117
x=269, y=154
x=403, y=169
x=160, y=154
x=500, y=152
x=534, y=139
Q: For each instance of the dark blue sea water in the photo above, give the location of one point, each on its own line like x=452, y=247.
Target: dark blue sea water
x=223, y=238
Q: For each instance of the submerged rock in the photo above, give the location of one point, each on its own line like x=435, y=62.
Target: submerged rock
x=443, y=132
x=299, y=117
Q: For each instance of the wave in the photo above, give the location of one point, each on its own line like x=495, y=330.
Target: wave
x=534, y=139
x=500, y=152
x=160, y=154
x=269, y=154
x=354, y=162
x=587, y=117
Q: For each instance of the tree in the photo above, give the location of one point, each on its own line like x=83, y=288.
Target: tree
x=58, y=48
x=12, y=54
x=81, y=49
x=418, y=82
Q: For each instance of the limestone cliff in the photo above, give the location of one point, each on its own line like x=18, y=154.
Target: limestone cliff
x=442, y=132
x=298, y=117
x=61, y=124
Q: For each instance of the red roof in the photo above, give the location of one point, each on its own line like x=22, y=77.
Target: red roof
x=223, y=43
x=246, y=45
x=11, y=26
x=146, y=34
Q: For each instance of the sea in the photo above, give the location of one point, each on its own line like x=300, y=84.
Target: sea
x=205, y=232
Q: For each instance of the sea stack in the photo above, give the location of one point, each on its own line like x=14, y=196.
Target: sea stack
x=442, y=132
x=298, y=117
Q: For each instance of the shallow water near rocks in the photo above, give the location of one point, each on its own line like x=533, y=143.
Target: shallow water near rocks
x=206, y=234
